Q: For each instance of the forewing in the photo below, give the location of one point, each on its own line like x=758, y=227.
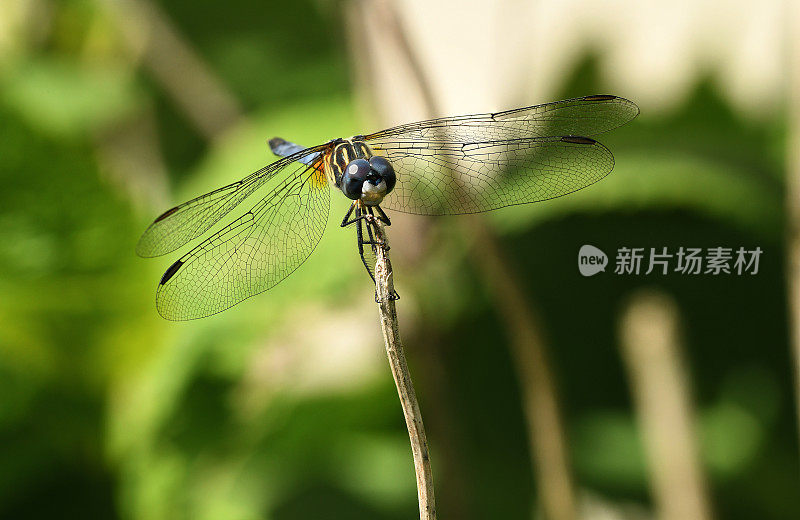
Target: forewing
x=585, y=116
x=447, y=178
x=251, y=254
x=177, y=226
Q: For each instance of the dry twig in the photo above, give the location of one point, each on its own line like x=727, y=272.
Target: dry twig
x=384, y=286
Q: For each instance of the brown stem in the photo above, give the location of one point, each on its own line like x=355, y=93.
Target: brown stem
x=546, y=436
x=652, y=351
x=384, y=286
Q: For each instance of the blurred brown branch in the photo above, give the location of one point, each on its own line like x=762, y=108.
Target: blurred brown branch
x=529, y=349
x=130, y=151
x=384, y=286
x=659, y=385
x=175, y=65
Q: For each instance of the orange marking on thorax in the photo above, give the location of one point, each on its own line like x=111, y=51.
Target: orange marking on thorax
x=320, y=176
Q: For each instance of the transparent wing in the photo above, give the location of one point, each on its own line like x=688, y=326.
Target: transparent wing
x=251, y=254
x=586, y=116
x=177, y=226
x=447, y=177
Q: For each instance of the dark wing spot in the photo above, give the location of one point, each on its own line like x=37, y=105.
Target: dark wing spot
x=166, y=214
x=600, y=97
x=171, y=270
x=577, y=139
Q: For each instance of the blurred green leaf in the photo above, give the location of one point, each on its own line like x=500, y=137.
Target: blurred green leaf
x=652, y=181
x=67, y=98
x=607, y=449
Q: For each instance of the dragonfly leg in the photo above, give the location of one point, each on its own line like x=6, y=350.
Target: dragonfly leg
x=369, y=264
x=360, y=236
x=370, y=223
x=346, y=221
x=366, y=218
x=383, y=217
x=359, y=220
x=375, y=242
x=370, y=218
x=365, y=213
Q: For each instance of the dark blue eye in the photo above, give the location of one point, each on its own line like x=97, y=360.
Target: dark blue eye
x=353, y=178
x=385, y=170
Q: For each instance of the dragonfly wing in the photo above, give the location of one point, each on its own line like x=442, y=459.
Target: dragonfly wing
x=445, y=177
x=181, y=224
x=251, y=254
x=587, y=116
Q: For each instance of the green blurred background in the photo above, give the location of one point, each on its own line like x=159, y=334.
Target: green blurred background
x=283, y=407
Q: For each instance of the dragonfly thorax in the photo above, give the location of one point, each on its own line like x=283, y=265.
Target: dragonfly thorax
x=361, y=175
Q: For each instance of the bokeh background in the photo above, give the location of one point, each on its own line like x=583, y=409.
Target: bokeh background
x=545, y=394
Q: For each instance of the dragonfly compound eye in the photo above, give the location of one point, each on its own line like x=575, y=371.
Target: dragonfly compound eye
x=384, y=169
x=353, y=178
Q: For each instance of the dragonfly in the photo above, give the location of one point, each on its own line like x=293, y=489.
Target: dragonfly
x=443, y=166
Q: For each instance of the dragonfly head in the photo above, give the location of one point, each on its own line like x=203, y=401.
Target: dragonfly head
x=368, y=181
